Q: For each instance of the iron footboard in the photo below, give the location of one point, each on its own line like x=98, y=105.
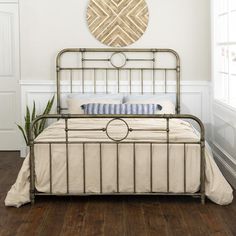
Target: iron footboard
x=121, y=118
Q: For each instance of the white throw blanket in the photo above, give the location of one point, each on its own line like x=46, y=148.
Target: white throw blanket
x=217, y=188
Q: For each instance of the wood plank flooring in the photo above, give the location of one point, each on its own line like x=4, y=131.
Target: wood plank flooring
x=110, y=216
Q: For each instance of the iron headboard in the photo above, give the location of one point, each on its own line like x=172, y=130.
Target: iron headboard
x=131, y=61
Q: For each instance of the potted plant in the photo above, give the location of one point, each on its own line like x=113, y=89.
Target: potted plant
x=39, y=126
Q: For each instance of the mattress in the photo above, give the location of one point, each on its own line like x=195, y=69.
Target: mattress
x=93, y=158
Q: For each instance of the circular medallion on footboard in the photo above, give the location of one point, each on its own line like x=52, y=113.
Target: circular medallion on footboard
x=117, y=129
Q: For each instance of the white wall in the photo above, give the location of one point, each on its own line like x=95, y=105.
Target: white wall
x=48, y=26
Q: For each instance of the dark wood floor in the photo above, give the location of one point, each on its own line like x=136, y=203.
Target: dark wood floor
x=111, y=216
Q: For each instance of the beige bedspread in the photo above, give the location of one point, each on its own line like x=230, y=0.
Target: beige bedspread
x=217, y=188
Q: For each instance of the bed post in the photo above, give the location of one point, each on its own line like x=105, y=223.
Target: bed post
x=202, y=188
x=58, y=80
x=177, y=81
x=202, y=160
x=32, y=169
x=178, y=86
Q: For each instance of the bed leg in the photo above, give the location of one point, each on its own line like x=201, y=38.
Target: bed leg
x=203, y=199
x=32, y=172
x=32, y=198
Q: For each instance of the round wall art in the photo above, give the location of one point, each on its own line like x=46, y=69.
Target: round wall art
x=117, y=23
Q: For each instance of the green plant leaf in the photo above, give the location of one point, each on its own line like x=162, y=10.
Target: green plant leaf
x=33, y=112
x=23, y=133
x=27, y=123
x=43, y=121
x=39, y=126
x=46, y=111
x=36, y=128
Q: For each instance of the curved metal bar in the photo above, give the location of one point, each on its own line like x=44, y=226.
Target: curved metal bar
x=115, y=51
x=158, y=116
x=125, y=136
x=120, y=117
x=119, y=66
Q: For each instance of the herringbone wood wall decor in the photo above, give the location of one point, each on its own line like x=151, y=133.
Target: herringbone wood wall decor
x=117, y=23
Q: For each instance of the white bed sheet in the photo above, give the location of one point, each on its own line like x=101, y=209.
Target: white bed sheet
x=217, y=188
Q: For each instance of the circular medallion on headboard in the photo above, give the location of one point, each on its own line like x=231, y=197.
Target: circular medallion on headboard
x=117, y=23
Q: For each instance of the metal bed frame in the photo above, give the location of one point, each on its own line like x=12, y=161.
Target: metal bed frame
x=107, y=59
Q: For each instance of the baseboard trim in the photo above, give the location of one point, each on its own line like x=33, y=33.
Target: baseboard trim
x=224, y=161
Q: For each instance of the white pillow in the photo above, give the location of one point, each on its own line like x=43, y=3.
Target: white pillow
x=168, y=106
x=75, y=101
x=160, y=97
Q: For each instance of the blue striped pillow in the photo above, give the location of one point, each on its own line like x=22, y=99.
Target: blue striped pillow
x=116, y=109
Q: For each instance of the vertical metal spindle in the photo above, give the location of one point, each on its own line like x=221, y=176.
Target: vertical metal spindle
x=94, y=82
x=165, y=74
x=67, y=156
x=118, y=80
x=117, y=167
x=82, y=81
x=185, y=168
x=106, y=81
x=130, y=81
x=50, y=167
x=100, y=155
x=142, y=81
x=153, y=74
x=84, y=169
x=71, y=81
x=151, y=167
x=168, y=154
x=134, y=166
